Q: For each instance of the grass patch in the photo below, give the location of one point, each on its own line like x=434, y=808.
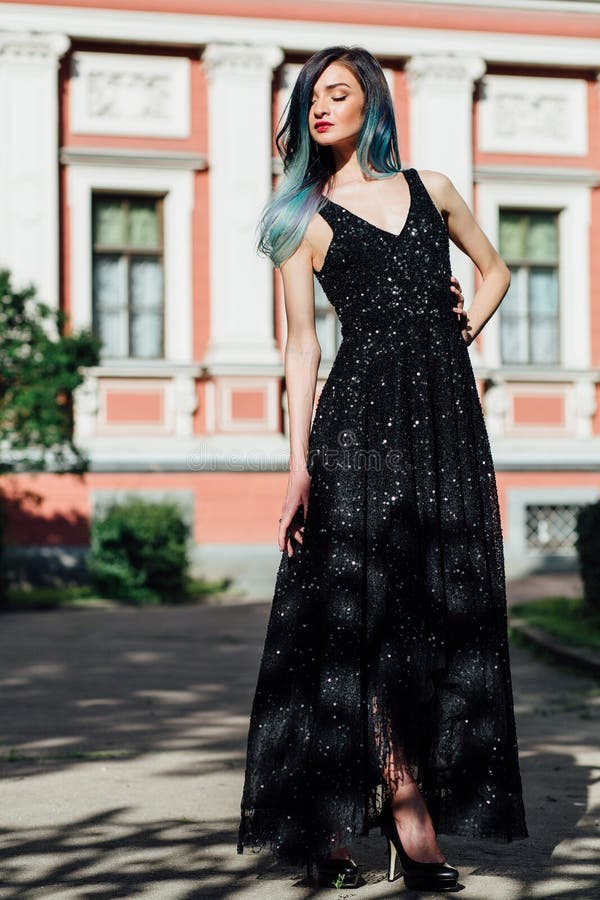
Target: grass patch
x=85, y=597
x=49, y=598
x=546, y=656
x=566, y=618
x=196, y=589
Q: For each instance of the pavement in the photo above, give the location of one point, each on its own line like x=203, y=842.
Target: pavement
x=543, y=584
x=122, y=750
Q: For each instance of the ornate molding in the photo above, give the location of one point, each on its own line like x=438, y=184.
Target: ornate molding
x=445, y=72
x=241, y=60
x=26, y=47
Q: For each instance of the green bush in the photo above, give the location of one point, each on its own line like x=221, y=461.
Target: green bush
x=138, y=552
x=587, y=544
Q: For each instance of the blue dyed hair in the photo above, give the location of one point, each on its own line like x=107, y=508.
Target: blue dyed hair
x=307, y=166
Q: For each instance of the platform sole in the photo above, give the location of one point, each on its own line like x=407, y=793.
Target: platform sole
x=423, y=883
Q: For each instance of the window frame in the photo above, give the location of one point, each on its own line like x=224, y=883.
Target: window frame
x=535, y=187
x=518, y=552
x=550, y=547
x=128, y=252
x=178, y=186
x=525, y=265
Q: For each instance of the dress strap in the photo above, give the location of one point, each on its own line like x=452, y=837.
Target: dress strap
x=414, y=182
x=417, y=186
x=330, y=212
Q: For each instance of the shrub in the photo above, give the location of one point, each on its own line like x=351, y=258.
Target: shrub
x=41, y=367
x=42, y=363
x=587, y=544
x=138, y=552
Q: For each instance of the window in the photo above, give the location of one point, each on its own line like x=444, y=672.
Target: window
x=551, y=527
x=327, y=324
x=529, y=314
x=128, y=275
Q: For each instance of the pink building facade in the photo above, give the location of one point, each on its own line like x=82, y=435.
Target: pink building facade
x=137, y=152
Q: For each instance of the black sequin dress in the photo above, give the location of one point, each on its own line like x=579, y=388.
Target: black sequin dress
x=387, y=637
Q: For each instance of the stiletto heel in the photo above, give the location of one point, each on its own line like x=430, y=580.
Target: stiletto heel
x=391, y=861
x=417, y=876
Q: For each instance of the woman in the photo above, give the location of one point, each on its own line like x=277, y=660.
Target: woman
x=384, y=693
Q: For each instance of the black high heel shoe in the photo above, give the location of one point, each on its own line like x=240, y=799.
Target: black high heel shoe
x=417, y=876
x=342, y=873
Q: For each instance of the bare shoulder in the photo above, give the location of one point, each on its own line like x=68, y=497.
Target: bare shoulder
x=299, y=259
x=316, y=229
x=318, y=235
x=439, y=186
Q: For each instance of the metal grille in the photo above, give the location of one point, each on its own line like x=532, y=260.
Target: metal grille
x=551, y=526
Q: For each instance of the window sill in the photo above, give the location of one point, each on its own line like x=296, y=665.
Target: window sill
x=535, y=372
x=144, y=368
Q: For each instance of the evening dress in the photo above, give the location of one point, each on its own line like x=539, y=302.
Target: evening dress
x=388, y=625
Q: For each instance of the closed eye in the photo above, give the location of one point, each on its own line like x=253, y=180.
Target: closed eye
x=333, y=98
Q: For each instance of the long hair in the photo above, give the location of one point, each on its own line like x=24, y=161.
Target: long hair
x=307, y=166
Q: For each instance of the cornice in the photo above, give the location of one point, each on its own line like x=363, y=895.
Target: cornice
x=392, y=42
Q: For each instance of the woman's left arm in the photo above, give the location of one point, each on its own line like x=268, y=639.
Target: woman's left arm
x=469, y=237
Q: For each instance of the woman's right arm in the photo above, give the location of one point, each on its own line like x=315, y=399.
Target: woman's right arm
x=301, y=360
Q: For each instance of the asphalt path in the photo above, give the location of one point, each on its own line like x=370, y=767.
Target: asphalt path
x=122, y=746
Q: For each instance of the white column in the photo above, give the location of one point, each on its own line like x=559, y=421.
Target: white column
x=441, y=132
x=186, y=404
x=240, y=153
x=87, y=405
x=29, y=216
x=583, y=405
x=496, y=405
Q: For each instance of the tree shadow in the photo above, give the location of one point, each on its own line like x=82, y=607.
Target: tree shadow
x=126, y=682
x=41, y=548
x=86, y=688
x=29, y=523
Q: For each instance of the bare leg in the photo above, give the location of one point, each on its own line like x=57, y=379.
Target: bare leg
x=412, y=816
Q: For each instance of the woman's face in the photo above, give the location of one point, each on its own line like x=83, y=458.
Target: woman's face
x=337, y=99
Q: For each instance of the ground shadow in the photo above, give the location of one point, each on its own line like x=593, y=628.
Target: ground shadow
x=81, y=686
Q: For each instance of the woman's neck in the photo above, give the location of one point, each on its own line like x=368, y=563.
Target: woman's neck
x=347, y=168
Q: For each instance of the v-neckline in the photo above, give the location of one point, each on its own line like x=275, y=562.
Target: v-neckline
x=390, y=234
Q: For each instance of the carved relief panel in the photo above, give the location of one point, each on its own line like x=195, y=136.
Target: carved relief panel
x=519, y=114
x=125, y=94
